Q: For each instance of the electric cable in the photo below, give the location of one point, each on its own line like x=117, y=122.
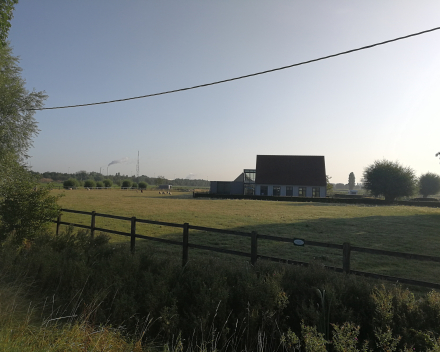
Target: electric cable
x=248, y=75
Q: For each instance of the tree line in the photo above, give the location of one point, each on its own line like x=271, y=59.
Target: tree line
x=96, y=179
x=392, y=180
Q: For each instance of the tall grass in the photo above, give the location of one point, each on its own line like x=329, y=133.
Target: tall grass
x=92, y=295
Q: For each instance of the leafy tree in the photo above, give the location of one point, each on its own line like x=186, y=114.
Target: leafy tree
x=90, y=183
x=143, y=185
x=6, y=14
x=71, y=182
x=134, y=185
x=351, y=181
x=389, y=179
x=99, y=184
x=429, y=184
x=26, y=208
x=81, y=175
x=160, y=180
x=17, y=107
x=107, y=183
x=329, y=185
x=126, y=183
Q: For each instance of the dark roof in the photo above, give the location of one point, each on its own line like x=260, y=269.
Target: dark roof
x=299, y=170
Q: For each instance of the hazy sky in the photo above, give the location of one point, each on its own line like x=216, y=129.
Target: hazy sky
x=354, y=109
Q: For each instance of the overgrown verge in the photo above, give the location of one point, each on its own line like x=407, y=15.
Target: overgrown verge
x=211, y=305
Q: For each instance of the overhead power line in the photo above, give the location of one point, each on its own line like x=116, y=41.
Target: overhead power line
x=249, y=75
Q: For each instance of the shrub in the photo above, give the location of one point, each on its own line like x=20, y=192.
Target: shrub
x=126, y=183
x=26, y=209
x=429, y=184
x=99, y=184
x=134, y=185
x=90, y=183
x=389, y=179
x=71, y=182
x=107, y=182
x=143, y=185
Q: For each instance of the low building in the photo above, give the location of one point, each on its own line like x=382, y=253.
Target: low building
x=165, y=187
x=279, y=176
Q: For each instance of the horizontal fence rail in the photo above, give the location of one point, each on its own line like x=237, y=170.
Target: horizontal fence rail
x=254, y=237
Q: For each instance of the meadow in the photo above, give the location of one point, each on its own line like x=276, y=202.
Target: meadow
x=396, y=228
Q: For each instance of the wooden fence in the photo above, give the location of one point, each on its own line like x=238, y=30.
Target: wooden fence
x=254, y=236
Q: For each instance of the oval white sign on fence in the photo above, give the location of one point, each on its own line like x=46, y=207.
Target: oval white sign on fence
x=298, y=242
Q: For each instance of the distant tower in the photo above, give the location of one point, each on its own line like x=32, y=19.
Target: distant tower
x=137, y=167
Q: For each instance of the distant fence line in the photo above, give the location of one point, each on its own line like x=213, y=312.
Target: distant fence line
x=347, y=200
x=346, y=247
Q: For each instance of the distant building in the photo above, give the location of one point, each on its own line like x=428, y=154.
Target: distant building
x=165, y=186
x=279, y=176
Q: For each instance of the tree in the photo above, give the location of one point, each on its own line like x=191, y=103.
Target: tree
x=25, y=208
x=329, y=185
x=143, y=185
x=429, y=184
x=351, y=181
x=389, y=179
x=107, y=183
x=160, y=180
x=126, y=183
x=71, y=182
x=17, y=107
x=6, y=14
x=90, y=183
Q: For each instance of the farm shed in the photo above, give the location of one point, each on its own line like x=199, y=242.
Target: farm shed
x=279, y=176
x=165, y=186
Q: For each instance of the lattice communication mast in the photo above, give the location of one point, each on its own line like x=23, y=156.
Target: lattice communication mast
x=137, y=167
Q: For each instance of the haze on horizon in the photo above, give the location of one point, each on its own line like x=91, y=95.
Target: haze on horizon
x=380, y=103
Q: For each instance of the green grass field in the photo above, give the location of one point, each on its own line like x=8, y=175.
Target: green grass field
x=396, y=228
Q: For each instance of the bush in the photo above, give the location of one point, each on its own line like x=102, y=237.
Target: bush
x=71, y=182
x=107, y=182
x=389, y=179
x=26, y=209
x=99, y=184
x=143, y=185
x=90, y=183
x=134, y=185
x=126, y=183
x=429, y=184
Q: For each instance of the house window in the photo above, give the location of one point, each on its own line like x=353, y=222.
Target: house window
x=302, y=191
x=276, y=191
x=249, y=190
x=263, y=191
x=316, y=192
x=289, y=191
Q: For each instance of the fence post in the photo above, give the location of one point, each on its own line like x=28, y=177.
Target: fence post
x=58, y=225
x=133, y=234
x=185, y=244
x=254, y=246
x=92, y=226
x=346, y=257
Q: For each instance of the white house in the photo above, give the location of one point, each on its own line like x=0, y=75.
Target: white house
x=279, y=176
